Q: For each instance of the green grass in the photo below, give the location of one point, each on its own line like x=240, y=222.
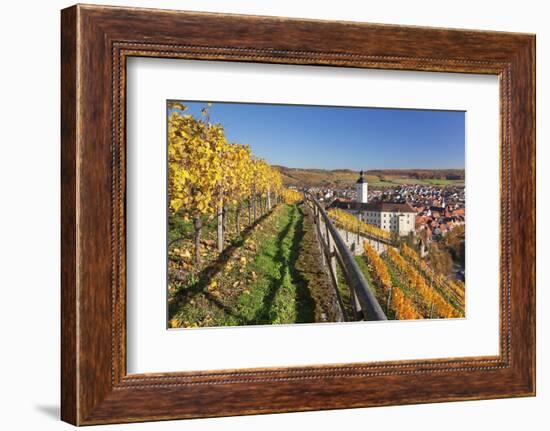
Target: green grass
x=272, y=297
x=428, y=182
x=344, y=292
x=382, y=183
x=178, y=227
x=392, y=182
x=263, y=279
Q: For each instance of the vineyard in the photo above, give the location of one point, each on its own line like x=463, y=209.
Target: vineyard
x=245, y=250
x=351, y=223
x=237, y=238
x=408, y=289
x=402, y=306
x=210, y=177
x=453, y=291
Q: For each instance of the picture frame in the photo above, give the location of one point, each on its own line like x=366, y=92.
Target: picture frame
x=96, y=42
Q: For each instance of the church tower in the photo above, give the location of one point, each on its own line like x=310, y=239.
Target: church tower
x=362, y=189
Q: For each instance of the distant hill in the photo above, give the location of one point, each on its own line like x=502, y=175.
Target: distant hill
x=376, y=178
x=421, y=174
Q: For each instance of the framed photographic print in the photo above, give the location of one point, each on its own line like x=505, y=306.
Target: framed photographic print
x=286, y=215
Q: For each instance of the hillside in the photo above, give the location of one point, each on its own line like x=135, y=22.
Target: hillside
x=376, y=178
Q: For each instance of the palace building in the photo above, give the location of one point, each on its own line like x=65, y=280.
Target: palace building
x=396, y=217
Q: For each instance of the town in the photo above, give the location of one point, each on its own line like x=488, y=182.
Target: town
x=429, y=211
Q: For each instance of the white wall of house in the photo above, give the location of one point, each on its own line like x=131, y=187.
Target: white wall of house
x=406, y=224
x=401, y=223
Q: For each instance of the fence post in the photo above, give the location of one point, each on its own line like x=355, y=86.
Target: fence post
x=332, y=253
x=358, y=239
x=319, y=232
x=356, y=305
x=319, y=223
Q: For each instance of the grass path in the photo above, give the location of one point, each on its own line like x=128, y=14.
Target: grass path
x=273, y=276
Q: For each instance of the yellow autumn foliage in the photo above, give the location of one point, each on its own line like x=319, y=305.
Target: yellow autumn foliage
x=430, y=297
x=351, y=223
x=454, y=288
x=205, y=170
x=403, y=307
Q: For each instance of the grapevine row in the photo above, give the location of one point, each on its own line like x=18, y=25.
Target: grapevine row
x=351, y=223
x=209, y=175
x=456, y=289
x=433, y=301
x=403, y=306
x=291, y=196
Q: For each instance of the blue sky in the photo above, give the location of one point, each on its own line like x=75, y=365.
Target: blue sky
x=300, y=136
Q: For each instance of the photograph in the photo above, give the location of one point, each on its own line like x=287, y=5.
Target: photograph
x=288, y=214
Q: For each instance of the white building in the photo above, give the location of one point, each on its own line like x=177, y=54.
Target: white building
x=396, y=217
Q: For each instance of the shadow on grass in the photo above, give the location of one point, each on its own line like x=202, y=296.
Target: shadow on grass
x=265, y=313
x=284, y=254
x=287, y=258
x=211, y=271
x=305, y=305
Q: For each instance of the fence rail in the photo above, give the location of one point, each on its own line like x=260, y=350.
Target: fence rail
x=336, y=252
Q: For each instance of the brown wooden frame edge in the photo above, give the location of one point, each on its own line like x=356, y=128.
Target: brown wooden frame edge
x=95, y=43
